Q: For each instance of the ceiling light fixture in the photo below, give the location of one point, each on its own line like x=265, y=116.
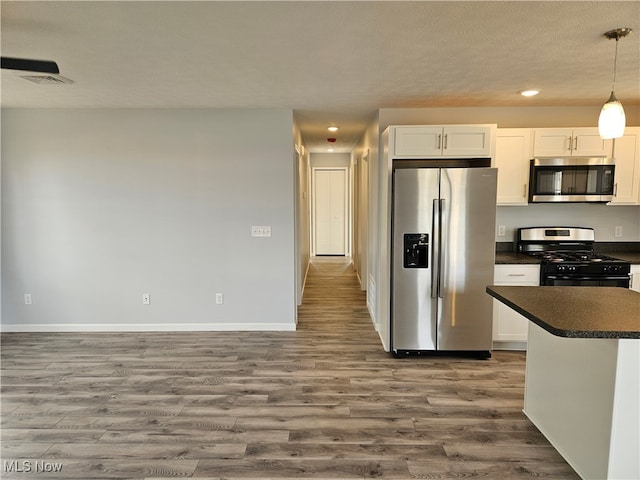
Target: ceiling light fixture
x=612, y=119
x=333, y=128
x=529, y=93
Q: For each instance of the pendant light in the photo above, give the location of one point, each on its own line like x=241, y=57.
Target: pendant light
x=612, y=119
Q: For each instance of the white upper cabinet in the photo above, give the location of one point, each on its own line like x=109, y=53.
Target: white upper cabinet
x=577, y=142
x=514, y=150
x=442, y=141
x=626, y=152
x=418, y=141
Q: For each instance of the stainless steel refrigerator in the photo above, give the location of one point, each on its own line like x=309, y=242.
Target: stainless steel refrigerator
x=443, y=254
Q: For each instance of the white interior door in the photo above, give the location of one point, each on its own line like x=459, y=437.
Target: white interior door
x=330, y=202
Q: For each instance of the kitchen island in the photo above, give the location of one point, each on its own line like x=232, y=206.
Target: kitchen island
x=582, y=386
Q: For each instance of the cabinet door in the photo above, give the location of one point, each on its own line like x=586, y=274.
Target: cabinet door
x=626, y=152
x=635, y=278
x=549, y=142
x=513, y=153
x=587, y=142
x=418, y=142
x=508, y=325
x=467, y=141
x=581, y=142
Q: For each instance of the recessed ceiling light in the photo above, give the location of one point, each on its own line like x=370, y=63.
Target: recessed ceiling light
x=333, y=129
x=529, y=93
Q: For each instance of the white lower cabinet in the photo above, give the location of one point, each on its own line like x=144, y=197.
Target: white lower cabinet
x=509, y=327
x=635, y=278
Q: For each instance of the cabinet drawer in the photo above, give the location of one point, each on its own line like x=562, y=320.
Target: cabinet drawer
x=516, y=275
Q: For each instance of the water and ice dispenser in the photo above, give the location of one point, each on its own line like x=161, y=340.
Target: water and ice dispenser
x=416, y=250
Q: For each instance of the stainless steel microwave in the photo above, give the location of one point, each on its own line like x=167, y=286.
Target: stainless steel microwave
x=571, y=179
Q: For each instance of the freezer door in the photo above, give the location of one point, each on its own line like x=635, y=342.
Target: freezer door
x=468, y=205
x=413, y=311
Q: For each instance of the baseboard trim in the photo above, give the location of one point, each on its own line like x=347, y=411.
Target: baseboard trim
x=155, y=327
x=509, y=345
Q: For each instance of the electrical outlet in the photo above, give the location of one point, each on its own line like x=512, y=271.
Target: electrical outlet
x=618, y=232
x=501, y=230
x=27, y=299
x=261, y=231
x=219, y=299
x=146, y=299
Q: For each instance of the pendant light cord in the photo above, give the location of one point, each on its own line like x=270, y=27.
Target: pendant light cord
x=615, y=65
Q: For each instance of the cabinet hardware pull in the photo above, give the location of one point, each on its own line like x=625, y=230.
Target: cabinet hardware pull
x=570, y=143
x=615, y=189
x=524, y=191
x=575, y=143
x=439, y=141
x=445, y=140
x=516, y=275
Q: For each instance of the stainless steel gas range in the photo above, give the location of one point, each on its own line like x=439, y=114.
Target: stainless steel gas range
x=567, y=257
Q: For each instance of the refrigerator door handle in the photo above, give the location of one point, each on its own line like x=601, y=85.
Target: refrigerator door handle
x=441, y=249
x=435, y=252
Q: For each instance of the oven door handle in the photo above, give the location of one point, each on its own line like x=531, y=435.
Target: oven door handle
x=569, y=277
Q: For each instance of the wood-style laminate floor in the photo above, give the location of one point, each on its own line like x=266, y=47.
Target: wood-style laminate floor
x=322, y=402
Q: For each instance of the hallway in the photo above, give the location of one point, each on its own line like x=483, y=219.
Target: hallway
x=323, y=402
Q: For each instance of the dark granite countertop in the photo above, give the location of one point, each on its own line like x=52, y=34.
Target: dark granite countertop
x=504, y=258
x=627, y=251
x=514, y=258
x=632, y=257
x=576, y=312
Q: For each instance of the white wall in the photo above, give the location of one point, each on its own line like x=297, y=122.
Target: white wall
x=302, y=177
x=601, y=217
x=101, y=206
x=368, y=267
x=331, y=160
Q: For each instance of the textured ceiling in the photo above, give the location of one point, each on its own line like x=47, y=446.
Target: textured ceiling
x=332, y=62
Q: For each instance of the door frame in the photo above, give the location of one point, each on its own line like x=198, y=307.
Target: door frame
x=347, y=208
